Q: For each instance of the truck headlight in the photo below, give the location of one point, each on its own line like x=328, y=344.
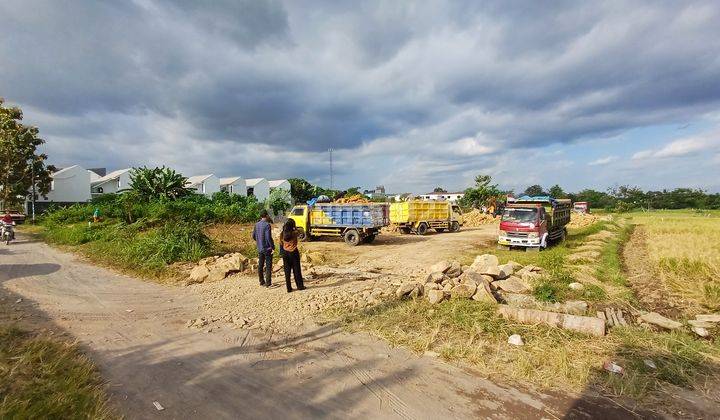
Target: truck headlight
x=533, y=235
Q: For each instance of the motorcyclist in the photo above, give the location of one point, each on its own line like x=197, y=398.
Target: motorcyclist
x=8, y=220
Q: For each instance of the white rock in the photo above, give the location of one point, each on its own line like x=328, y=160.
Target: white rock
x=702, y=332
x=516, y=340
x=649, y=363
x=440, y=267
x=435, y=296
x=655, y=318
x=709, y=318
x=576, y=286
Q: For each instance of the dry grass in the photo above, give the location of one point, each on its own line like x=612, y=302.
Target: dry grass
x=46, y=378
x=472, y=332
x=684, y=247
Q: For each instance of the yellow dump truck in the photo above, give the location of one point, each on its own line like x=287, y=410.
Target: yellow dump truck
x=419, y=216
x=354, y=222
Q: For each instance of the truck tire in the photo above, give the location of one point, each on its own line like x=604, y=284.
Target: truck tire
x=454, y=227
x=302, y=236
x=352, y=237
x=421, y=229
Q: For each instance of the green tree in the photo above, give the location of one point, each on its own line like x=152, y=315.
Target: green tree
x=301, y=190
x=556, y=191
x=534, y=190
x=20, y=162
x=279, y=201
x=353, y=191
x=479, y=194
x=158, y=183
x=439, y=189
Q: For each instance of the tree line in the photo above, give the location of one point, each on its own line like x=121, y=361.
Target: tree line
x=622, y=198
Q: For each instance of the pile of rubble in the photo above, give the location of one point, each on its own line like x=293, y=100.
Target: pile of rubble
x=217, y=268
x=476, y=218
x=485, y=280
x=357, y=198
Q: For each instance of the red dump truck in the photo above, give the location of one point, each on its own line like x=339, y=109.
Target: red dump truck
x=534, y=222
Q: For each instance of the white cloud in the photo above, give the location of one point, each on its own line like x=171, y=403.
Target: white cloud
x=603, y=161
x=683, y=147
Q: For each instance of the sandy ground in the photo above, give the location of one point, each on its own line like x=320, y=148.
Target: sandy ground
x=135, y=331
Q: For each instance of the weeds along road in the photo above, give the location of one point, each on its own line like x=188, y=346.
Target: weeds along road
x=135, y=333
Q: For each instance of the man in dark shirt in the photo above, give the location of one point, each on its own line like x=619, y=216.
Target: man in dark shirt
x=262, y=235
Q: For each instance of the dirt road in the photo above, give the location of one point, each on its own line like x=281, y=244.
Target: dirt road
x=135, y=332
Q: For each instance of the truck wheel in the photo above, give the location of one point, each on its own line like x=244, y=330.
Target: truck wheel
x=454, y=227
x=352, y=237
x=369, y=239
x=422, y=229
x=302, y=236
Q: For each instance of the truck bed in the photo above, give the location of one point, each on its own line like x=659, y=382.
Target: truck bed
x=415, y=211
x=354, y=215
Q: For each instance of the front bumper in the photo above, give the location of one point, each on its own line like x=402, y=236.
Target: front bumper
x=511, y=241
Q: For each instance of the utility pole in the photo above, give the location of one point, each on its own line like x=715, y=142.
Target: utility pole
x=331, y=169
x=33, y=191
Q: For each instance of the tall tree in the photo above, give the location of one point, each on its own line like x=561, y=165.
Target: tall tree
x=479, y=194
x=556, y=191
x=20, y=162
x=158, y=183
x=439, y=189
x=534, y=190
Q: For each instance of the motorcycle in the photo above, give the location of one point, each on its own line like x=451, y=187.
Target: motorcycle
x=7, y=232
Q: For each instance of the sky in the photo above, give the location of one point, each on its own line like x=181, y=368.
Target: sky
x=409, y=95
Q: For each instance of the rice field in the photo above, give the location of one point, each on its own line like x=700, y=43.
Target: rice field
x=684, y=249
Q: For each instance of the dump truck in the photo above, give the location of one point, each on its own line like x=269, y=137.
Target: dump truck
x=533, y=222
x=356, y=223
x=419, y=216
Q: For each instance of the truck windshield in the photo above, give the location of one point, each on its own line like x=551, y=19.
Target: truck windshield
x=519, y=215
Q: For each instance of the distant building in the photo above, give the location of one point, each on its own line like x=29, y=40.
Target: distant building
x=443, y=196
x=283, y=184
x=258, y=187
x=68, y=186
x=234, y=185
x=110, y=183
x=204, y=184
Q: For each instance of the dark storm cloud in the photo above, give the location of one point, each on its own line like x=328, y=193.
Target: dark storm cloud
x=306, y=76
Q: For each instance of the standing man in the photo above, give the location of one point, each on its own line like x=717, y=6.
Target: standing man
x=262, y=235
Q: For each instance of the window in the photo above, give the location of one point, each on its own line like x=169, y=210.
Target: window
x=202, y=187
x=230, y=188
x=298, y=211
x=250, y=191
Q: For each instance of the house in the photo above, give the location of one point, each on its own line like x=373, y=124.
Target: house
x=68, y=185
x=453, y=197
x=110, y=183
x=204, y=184
x=283, y=184
x=234, y=185
x=258, y=187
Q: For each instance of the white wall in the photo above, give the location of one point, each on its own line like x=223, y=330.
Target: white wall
x=212, y=185
x=285, y=185
x=71, y=185
x=261, y=190
x=114, y=185
x=239, y=187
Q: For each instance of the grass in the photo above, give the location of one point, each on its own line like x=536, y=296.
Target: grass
x=472, y=332
x=684, y=246
x=140, y=248
x=45, y=378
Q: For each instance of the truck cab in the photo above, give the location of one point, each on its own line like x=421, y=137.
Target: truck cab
x=456, y=214
x=300, y=215
x=523, y=225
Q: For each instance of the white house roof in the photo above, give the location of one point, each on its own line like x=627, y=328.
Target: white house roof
x=277, y=182
x=228, y=181
x=111, y=176
x=63, y=170
x=198, y=179
x=253, y=181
